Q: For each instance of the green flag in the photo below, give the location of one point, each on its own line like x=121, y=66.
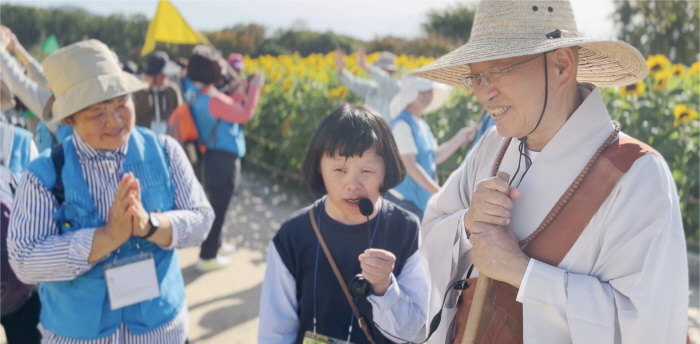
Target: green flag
x=50, y=45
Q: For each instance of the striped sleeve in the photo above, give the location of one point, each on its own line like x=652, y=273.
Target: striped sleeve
x=38, y=252
x=193, y=215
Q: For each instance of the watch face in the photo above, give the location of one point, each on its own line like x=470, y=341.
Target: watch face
x=153, y=219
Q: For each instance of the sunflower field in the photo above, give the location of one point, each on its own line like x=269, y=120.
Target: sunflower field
x=299, y=92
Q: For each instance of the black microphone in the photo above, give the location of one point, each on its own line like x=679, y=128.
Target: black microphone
x=366, y=207
x=359, y=286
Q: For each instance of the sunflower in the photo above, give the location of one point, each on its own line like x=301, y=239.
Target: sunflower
x=287, y=84
x=683, y=115
x=694, y=68
x=678, y=70
x=661, y=80
x=658, y=63
x=636, y=88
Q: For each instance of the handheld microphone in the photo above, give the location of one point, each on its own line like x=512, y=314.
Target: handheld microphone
x=359, y=286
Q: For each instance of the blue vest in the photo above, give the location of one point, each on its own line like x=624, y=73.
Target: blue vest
x=226, y=137
x=45, y=139
x=425, y=141
x=21, y=146
x=80, y=308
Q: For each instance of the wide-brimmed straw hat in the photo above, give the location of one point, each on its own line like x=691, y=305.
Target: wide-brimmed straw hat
x=82, y=74
x=510, y=28
x=410, y=87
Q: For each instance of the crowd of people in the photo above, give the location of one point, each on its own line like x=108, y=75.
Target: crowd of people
x=573, y=228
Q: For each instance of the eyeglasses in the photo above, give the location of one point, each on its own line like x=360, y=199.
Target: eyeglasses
x=491, y=76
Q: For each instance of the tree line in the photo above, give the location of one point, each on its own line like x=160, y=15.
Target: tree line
x=670, y=28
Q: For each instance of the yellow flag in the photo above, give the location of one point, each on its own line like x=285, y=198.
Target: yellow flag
x=169, y=26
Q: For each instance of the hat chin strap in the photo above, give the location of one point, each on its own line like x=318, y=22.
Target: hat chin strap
x=523, y=140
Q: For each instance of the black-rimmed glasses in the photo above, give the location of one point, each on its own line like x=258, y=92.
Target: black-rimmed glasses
x=491, y=76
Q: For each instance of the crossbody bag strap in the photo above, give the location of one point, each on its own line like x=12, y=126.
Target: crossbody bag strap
x=331, y=261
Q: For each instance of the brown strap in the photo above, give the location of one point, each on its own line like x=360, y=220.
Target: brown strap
x=502, y=319
x=552, y=245
x=360, y=319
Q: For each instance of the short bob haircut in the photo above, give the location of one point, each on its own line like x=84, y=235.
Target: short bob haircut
x=205, y=68
x=350, y=131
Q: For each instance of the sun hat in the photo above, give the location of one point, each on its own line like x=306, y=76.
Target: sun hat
x=235, y=60
x=82, y=74
x=410, y=87
x=510, y=28
x=386, y=60
x=155, y=63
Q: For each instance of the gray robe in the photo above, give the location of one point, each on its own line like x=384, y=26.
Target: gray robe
x=626, y=278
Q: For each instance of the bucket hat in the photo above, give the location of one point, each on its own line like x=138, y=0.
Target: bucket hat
x=82, y=74
x=386, y=60
x=410, y=87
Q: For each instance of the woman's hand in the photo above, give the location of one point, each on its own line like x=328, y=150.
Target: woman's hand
x=377, y=266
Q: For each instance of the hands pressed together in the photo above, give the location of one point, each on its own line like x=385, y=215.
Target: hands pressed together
x=127, y=216
x=495, y=251
x=377, y=266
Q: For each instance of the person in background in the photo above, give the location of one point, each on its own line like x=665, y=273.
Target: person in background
x=31, y=88
x=219, y=120
x=418, y=147
x=97, y=222
x=154, y=105
x=20, y=302
x=377, y=91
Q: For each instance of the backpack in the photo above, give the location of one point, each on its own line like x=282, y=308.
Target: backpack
x=182, y=128
x=13, y=293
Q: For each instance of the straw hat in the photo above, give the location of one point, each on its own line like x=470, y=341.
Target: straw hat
x=410, y=87
x=509, y=28
x=82, y=74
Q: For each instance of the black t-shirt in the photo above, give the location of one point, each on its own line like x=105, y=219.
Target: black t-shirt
x=297, y=244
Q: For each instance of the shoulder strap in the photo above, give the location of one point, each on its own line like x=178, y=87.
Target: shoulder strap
x=552, y=245
x=58, y=159
x=360, y=319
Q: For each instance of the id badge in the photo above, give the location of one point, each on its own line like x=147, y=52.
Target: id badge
x=315, y=338
x=159, y=127
x=131, y=280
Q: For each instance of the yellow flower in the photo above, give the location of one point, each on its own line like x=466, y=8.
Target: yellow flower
x=275, y=76
x=678, y=70
x=286, y=125
x=287, y=84
x=694, y=68
x=636, y=88
x=660, y=81
x=683, y=115
x=266, y=89
x=338, y=93
x=658, y=63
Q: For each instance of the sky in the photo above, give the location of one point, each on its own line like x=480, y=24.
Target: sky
x=360, y=19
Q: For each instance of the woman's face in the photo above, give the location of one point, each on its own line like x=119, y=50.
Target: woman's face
x=106, y=125
x=347, y=180
x=422, y=101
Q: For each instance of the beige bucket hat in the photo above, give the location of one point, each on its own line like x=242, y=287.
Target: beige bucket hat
x=82, y=74
x=410, y=87
x=509, y=28
x=386, y=60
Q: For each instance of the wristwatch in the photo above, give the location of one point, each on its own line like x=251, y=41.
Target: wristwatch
x=154, y=222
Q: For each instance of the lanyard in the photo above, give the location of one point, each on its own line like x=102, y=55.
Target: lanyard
x=318, y=246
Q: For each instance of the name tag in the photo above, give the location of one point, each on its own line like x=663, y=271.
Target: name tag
x=159, y=127
x=315, y=338
x=131, y=280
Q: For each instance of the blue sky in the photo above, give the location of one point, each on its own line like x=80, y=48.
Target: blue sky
x=357, y=18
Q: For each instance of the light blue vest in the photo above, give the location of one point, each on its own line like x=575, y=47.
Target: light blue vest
x=227, y=136
x=80, y=308
x=45, y=139
x=21, y=146
x=425, y=141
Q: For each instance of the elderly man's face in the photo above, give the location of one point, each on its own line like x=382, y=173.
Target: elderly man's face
x=514, y=101
x=106, y=125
